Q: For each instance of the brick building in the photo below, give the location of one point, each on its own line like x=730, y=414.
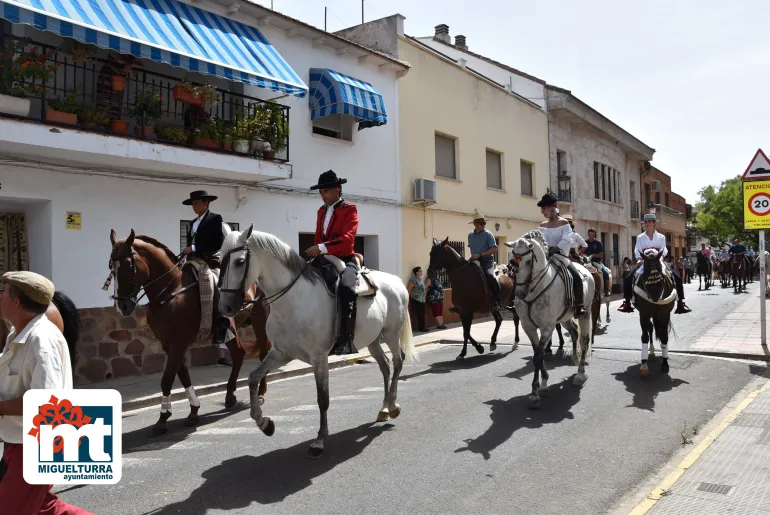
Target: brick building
x=671, y=209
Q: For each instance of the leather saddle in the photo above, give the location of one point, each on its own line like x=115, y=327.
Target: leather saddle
x=365, y=285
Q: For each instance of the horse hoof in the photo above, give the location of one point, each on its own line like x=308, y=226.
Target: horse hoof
x=492, y=346
x=460, y=357
x=542, y=392
x=158, y=431
x=664, y=367
x=479, y=349
x=269, y=429
x=191, y=421
x=314, y=453
x=643, y=373
x=383, y=416
x=230, y=401
x=394, y=413
x=517, y=340
x=534, y=401
x=579, y=379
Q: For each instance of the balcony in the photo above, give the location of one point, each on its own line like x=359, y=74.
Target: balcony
x=81, y=111
x=635, y=209
x=669, y=219
x=565, y=195
x=667, y=211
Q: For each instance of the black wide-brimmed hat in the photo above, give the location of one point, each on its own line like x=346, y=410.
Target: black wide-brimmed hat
x=549, y=199
x=328, y=180
x=199, y=195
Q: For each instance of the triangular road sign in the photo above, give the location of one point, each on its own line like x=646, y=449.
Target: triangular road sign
x=758, y=169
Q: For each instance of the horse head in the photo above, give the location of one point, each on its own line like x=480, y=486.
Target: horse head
x=443, y=256
x=654, y=278
x=238, y=271
x=129, y=271
x=528, y=259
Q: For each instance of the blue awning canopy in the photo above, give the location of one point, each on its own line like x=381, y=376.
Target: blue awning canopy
x=166, y=31
x=334, y=93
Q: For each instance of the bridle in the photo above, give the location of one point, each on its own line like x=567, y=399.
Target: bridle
x=241, y=289
x=516, y=259
x=133, y=296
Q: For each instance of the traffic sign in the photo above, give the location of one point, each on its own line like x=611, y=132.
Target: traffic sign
x=756, y=205
x=758, y=169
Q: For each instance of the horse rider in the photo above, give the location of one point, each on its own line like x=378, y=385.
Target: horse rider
x=751, y=252
x=578, y=244
x=724, y=254
x=738, y=249
x=650, y=239
x=335, y=235
x=204, y=241
x=483, y=248
x=558, y=235
x=595, y=250
x=705, y=251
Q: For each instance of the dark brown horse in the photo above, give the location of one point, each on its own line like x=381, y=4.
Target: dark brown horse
x=470, y=291
x=739, y=272
x=173, y=314
x=655, y=305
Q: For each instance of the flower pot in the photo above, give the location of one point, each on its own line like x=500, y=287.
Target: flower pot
x=182, y=94
x=147, y=131
x=118, y=126
x=14, y=105
x=206, y=142
x=268, y=154
x=118, y=83
x=51, y=115
x=92, y=126
x=241, y=146
x=228, y=146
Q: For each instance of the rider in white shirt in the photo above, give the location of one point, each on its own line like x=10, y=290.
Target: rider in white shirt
x=650, y=238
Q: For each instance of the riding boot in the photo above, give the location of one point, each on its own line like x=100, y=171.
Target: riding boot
x=577, y=283
x=628, y=287
x=681, y=307
x=344, y=342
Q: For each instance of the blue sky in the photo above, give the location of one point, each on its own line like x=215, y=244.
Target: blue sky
x=689, y=78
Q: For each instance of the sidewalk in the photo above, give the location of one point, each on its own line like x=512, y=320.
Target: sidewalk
x=728, y=472
x=737, y=334
x=142, y=391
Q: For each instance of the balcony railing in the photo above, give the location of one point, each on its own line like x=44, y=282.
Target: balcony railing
x=635, y=209
x=565, y=195
x=95, y=95
x=667, y=211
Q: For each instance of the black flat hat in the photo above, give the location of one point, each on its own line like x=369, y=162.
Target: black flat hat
x=549, y=199
x=199, y=195
x=328, y=180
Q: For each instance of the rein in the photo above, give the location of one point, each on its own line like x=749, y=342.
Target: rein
x=133, y=295
x=537, y=280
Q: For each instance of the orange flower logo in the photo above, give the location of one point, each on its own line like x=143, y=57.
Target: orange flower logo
x=56, y=413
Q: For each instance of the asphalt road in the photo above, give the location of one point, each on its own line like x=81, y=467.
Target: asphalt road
x=465, y=442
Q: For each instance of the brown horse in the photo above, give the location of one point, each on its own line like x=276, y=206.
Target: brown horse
x=173, y=314
x=470, y=291
x=739, y=272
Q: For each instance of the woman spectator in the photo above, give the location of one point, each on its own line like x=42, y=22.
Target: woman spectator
x=436, y=299
x=416, y=287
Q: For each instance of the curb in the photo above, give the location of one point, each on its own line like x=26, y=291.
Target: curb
x=180, y=394
x=717, y=354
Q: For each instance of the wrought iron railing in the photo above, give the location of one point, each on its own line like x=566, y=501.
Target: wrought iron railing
x=659, y=208
x=565, y=195
x=441, y=274
x=96, y=95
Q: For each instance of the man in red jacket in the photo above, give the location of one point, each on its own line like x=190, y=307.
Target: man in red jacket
x=335, y=235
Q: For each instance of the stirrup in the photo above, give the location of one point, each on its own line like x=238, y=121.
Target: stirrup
x=580, y=312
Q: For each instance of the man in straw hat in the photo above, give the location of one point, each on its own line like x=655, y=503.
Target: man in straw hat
x=204, y=241
x=335, y=235
x=650, y=239
x=483, y=248
x=36, y=356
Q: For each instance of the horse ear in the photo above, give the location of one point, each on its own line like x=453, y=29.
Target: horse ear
x=445, y=242
x=247, y=233
x=130, y=239
x=113, y=237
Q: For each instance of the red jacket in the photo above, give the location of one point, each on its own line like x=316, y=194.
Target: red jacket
x=341, y=233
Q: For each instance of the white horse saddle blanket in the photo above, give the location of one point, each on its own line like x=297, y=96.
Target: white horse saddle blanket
x=365, y=285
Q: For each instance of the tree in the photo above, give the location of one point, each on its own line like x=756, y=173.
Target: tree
x=720, y=214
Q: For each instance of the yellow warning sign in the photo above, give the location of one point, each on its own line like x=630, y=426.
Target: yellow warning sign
x=756, y=205
x=74, y=217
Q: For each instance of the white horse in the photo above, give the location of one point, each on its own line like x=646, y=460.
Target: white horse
x=541, y=304
x=302, y=319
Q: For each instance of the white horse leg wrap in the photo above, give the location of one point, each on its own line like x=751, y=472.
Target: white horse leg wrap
x=165, y=404
x=194, y=402
x=644, y=351
x=664, y=350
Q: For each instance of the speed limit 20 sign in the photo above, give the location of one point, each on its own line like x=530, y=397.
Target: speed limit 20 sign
x=756, y=205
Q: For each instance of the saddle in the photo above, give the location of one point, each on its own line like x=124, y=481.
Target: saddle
x=207, y=279
x=365, y=285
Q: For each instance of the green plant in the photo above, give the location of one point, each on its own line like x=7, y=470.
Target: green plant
x=68, y=104
x=206, y=91
x=147, y=106
x=207, y=130
x=224, y=131
x=276, y=131
x=93, y=115
x=24, y=73
x=175, y=134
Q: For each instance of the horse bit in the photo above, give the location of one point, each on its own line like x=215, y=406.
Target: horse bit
x=115, y=264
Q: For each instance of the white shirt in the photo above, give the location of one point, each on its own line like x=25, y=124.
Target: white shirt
x=38, y=358
x=577, y=240
x=327, y=219
x=559, y=237
x=644, y=242
x=195, y=226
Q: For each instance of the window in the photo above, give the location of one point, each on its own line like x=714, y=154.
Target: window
x=657, y=197
x=494, y=170
x=526, y=179
x=615, y=249
x=338, y=126
x=596, y=179
x=184, y=226
x=632, y=189
x=606, y=183
x=633, y=248
x=446, y=165
x=668, y=199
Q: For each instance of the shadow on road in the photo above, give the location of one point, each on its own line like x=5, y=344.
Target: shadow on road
x=550, y=363
x=445, y=367
x=645, y=391
x=270, y=478
x=514, y=414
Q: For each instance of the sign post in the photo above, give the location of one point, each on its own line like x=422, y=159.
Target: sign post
x=756, y=215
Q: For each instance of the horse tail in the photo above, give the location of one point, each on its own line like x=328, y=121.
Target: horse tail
x=406, y=342
x=71, y=319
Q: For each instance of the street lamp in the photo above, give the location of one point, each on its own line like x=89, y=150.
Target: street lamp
x=565, y=187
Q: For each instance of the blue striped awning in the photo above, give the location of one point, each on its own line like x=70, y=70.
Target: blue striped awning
x=334, y=93
x=166, y=31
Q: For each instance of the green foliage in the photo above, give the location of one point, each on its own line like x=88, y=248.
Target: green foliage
x=720, y=214
x=148, y=106
x=69, y=104
x=175, y=134
x=93, y=115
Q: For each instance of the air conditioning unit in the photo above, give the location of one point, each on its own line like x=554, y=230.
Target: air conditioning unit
x=655, y=186
x=425, y=191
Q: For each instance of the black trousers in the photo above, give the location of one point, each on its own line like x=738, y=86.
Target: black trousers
x=489, y=269
x=346, y=290
x=419, y=311
x=628, y=286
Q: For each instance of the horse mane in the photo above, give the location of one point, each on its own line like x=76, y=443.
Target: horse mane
x=285, y=255
x=161, y=246
x=538, y=236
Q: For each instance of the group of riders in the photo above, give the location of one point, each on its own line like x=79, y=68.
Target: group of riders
x=337, y=226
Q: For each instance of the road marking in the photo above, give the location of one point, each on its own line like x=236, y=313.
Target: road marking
x=373, y=389
x=351, y=398
x=303, y=407
x=274, y=418
x=657, y=493
x=226, y=431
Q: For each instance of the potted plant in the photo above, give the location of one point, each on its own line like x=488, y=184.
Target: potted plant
x=171, y=134
x=147, y=108
x=64, y=110
x=241, y=135
x=195, y=94
x=206, y=135
x=92, y=118
x=23, y=74
x=225, y=131
x=276, y=132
